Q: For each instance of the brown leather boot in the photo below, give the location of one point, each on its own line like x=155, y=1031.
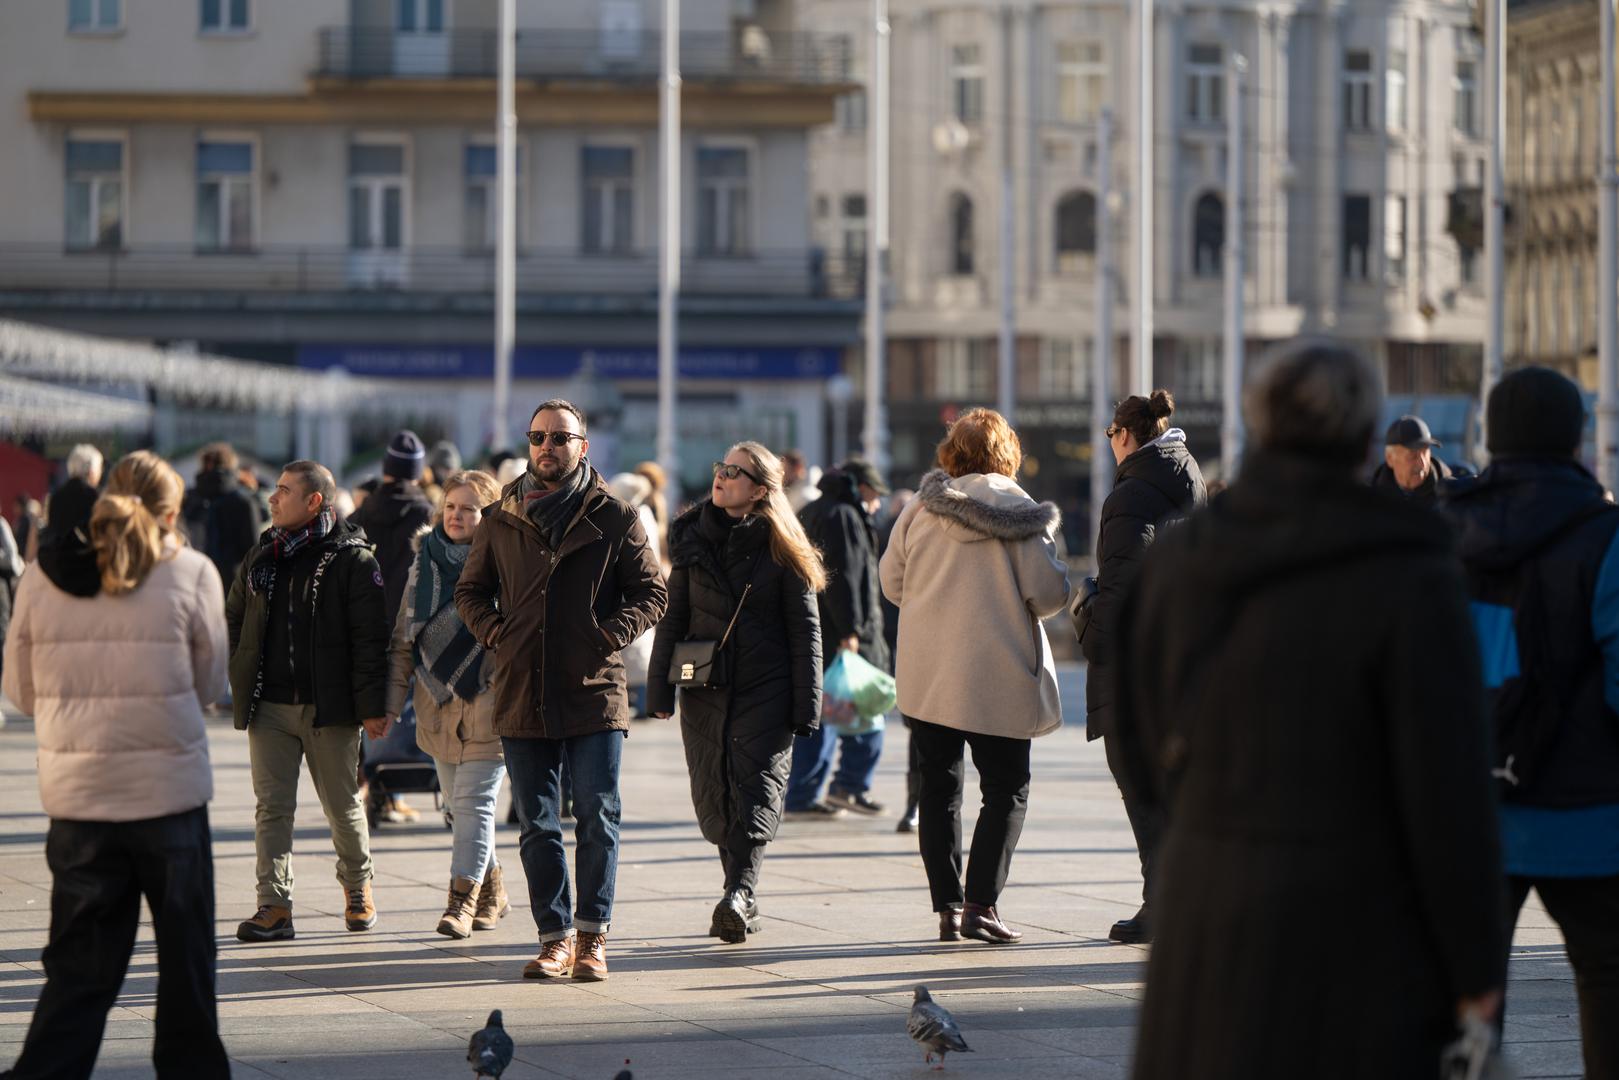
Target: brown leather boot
x=950, y=925
x=492, y=900
x=359, y=909
x=590, y=964
x=983, y=923
x=458, y=911
x=554, y=962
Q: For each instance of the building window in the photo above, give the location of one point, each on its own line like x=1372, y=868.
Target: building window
x=1357, y=241
x=1394, y=239
x=1576, y=299
x=95, y=194
x=1554, y=286
x=1358, y=90
x=1081, y=81
x=961, y=234
x=419, y=16
x=225, y=16
x=224, y=196
x=723, y=214
x=1208, y=235
x=964, y=369
x=1394, y=92
x=1467, y=263
x=608, y=222
x=92, y=16
x=480, y=227
x=1076, y=230
x=854, y=232
x=1576, y=130
x=849, y=111
x=967, y=83
x=1464, y=89
x=1065, y=367
x=376, y=196
x=1205, y=84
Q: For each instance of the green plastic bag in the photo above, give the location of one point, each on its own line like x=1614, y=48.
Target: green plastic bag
x=852, y=681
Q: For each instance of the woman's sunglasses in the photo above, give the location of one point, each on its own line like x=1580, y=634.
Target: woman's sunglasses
x=1113, y=431
x=731, y=472
x=558, y=438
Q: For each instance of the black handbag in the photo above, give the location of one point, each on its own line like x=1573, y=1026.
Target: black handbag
x=1083, y=607
x=701, y=665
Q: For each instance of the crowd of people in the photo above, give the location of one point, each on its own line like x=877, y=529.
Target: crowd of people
x=1359, y=714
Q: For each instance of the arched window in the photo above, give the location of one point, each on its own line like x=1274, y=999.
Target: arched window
x=1208, y=235
x=961, y=234
x=1076, y=229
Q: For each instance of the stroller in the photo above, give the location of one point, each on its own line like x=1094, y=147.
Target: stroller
x=394, y=765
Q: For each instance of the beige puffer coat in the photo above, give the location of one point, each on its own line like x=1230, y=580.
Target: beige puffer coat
x=116, y=686
x=456, y=731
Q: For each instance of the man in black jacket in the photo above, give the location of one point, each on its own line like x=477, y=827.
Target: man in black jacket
x=840, y=522
x=395, y=513
x=1540, y=543
x=308, y=667
x=221, y=517
x=1409, y=467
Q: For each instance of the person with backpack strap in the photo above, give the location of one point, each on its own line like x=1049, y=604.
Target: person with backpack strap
x=1540, y=543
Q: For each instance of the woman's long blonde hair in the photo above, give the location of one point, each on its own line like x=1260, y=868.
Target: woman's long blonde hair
x=129, y=525
x=789, y=545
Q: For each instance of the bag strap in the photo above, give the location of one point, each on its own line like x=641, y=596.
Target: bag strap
x=746, y=589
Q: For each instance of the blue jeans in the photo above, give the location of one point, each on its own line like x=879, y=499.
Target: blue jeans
x=470, y=790
x=535, y=768
x=812, y=761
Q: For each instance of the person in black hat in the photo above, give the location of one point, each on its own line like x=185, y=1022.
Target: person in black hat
x=1409, y=467
x=841, y=522
x=1539, y=540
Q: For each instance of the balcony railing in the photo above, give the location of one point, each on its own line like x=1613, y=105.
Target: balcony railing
x=749, y=55
x=804, y=273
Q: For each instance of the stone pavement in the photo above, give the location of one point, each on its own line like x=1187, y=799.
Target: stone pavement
x=821, y=992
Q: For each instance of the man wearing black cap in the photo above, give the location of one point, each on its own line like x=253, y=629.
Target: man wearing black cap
x=395, y=513
x=1409, y=467
x=841, y=523
x=1540, y=543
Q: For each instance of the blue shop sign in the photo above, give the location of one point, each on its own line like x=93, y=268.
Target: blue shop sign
x=562, y=361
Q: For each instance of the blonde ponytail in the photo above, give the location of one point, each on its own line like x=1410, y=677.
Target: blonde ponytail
x=130, y=524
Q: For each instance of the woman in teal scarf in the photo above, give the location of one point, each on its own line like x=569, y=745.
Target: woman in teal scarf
x=454, y=710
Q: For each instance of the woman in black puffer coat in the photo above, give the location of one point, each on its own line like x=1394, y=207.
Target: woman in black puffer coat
x=1158, y=482
x=742, y=546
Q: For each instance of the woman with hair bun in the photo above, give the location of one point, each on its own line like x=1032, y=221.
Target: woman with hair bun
x=115, y=657
x=1157, y=481
x=742, y=555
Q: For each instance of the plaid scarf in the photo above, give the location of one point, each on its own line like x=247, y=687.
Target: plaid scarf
x=449, y=660
x=553, y=511
x=283, y=544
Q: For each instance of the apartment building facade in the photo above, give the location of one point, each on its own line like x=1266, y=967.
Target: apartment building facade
x=312, y=182
x=1361, y=120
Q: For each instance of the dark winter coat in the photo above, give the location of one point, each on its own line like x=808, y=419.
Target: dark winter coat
x=852, y=604
x=556, y=619
x=221, y=520
x=1427, y=493
x=739, y=739
x=1548, y=519
x=1299, y=691
x=393, y=516
x=69, y=507
x=1156, y=483
x=349, y=649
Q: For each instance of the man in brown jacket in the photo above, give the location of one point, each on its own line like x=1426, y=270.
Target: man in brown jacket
x=559, y=579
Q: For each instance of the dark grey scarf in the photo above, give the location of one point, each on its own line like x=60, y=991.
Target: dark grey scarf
x=553, y=511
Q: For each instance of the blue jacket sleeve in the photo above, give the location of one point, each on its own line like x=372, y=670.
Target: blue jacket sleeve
x=1605, y=622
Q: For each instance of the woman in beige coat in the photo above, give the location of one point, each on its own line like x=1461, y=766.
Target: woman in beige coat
x=455, y=722
x=116, y=648
x=973, y=568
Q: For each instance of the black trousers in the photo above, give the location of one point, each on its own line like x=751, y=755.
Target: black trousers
x=100, y=871
x=1587, y=911
x=1146, y=823
x=741, y=858
x=1003, y=780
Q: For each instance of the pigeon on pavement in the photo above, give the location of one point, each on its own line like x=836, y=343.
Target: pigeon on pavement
x=490, y=1050
x=934, y=1028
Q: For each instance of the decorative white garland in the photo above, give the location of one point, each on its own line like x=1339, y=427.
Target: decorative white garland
x=36, y=408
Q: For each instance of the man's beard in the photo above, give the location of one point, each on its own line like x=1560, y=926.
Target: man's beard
x=562, y=473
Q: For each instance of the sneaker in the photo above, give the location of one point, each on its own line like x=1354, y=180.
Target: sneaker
x=735, y=917
x=854, y=801
x=492, y=900
x=554, y=962
x=269, y=923
x=590, y=961
x=398, y=812
x=815, y=811
x=359, y=910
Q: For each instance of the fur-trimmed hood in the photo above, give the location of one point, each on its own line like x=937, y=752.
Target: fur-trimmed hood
x=986, y=506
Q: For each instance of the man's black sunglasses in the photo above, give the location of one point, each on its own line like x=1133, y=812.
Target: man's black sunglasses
x=731, y=472
x=558, y=438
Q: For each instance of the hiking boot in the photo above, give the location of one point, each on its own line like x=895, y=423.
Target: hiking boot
x=554, y=962
x=815, y=811
x=492, y=900
x=269, y=923
x=855, y=801
x=983, y=923
x=590, y=962
x=359, y=911
x=458, y=912
x=735, y=917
